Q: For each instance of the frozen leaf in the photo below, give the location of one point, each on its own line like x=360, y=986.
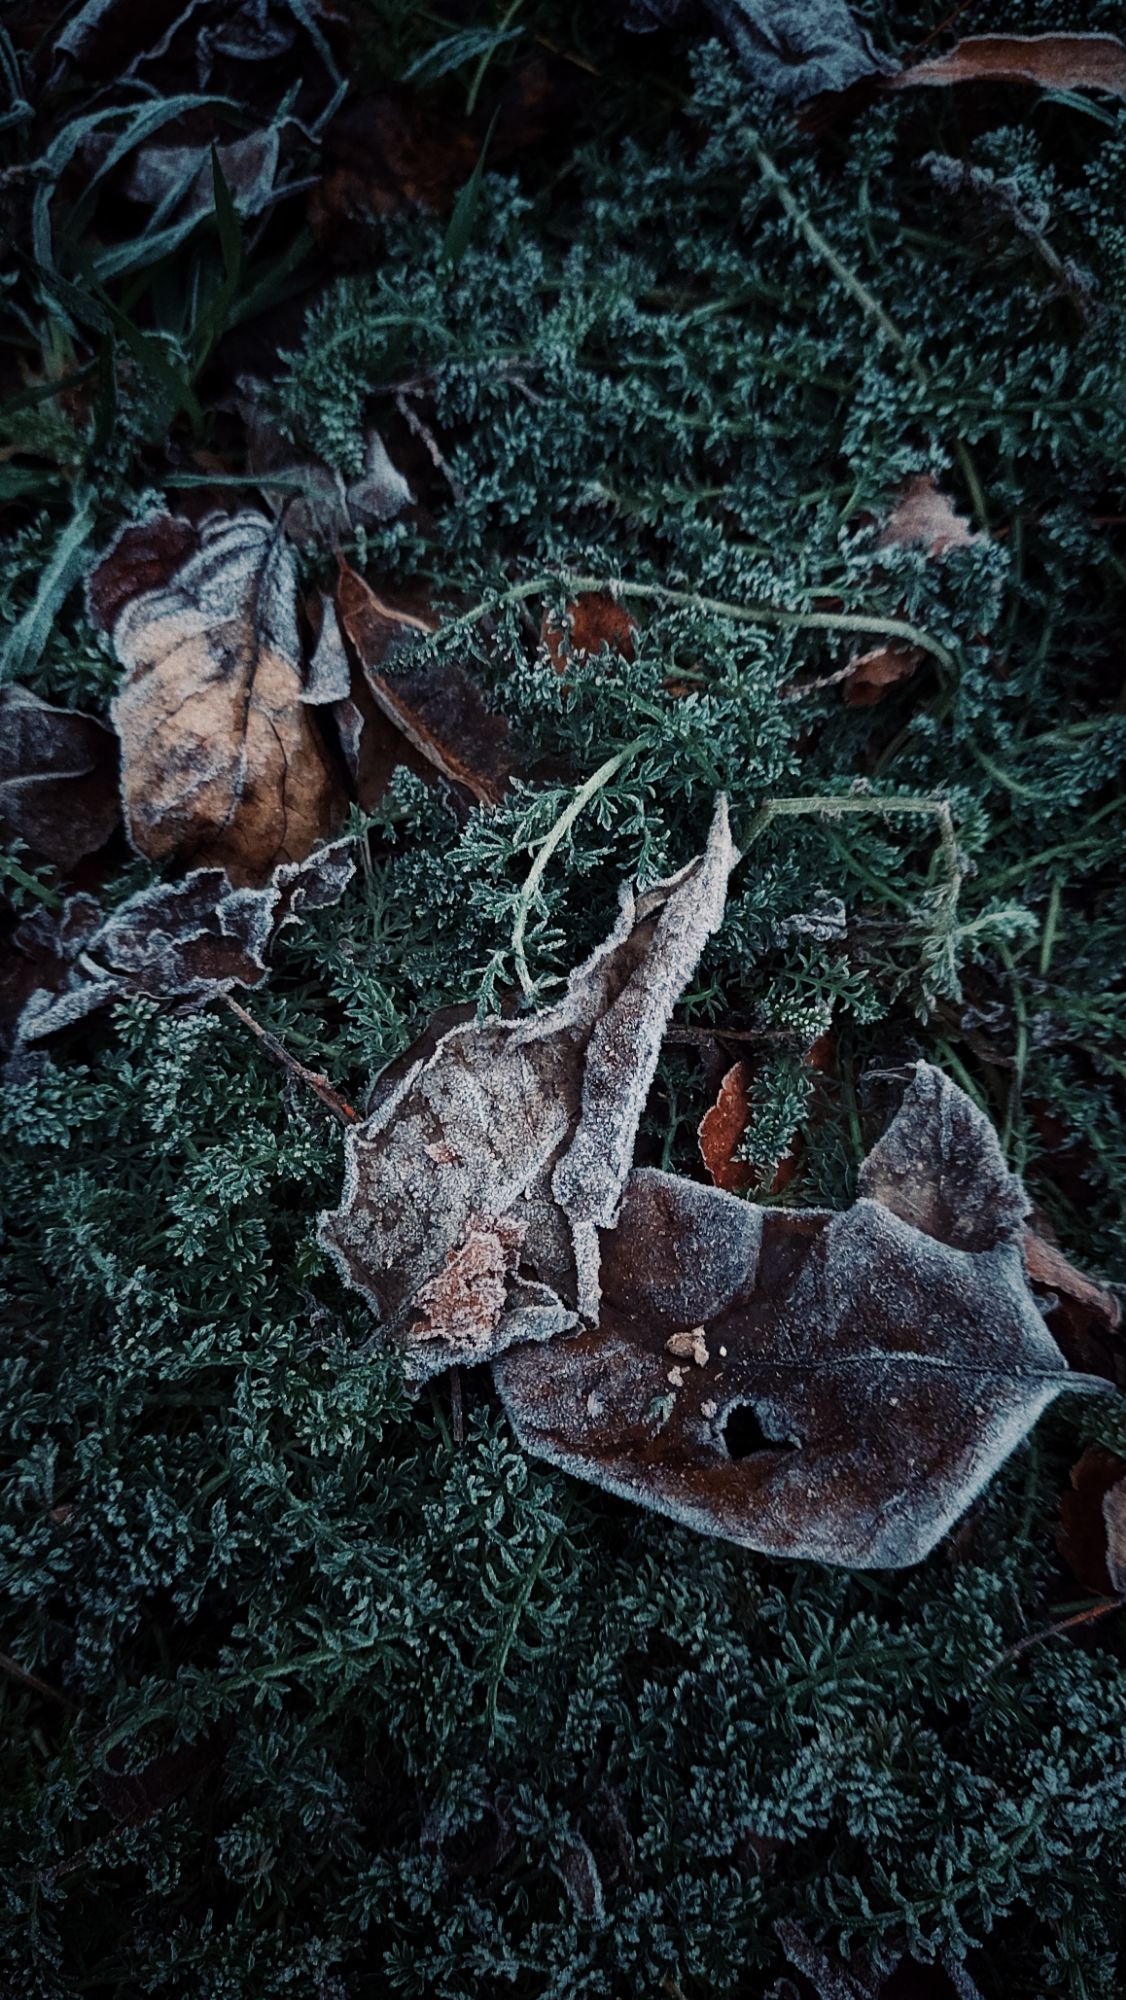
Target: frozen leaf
x=475, y=1189
x=314, y=502
x=940, y=1167
x=189, y=940
x=221, y=761
x=792, y=48
x=58, y=778
x=865, y=1375
x=1092, y=1532
x=439, y=712
x=924, y=517
x=179, y=180
x=38, y=957
x=1049, y=62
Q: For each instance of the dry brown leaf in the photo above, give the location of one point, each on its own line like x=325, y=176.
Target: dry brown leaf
x=873, y=675
x=594, y=620
x=1085, y=1319
x=476, y=1187
x=221, y=761
x=440, y=713
x=924, y=516
x=864, y=1379
x=189, y=940
x=179, y=941
x=58, y=778
x=1092, y=1533
x=1049, y=62
x=721, y=1129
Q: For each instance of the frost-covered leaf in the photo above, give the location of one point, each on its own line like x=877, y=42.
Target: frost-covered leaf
x=58, y=777
x=221, y=761
x=189, y=940
x=314, y=502
x=922, y=517
x=178, y=180
x=1048, y=62
x=475, y=1189
x=439, y=712
x=792, y=48
x=864, y=1376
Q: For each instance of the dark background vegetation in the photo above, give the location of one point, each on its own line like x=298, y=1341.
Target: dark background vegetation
x=300, y=1694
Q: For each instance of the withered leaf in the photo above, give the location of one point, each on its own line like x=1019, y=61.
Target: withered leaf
x=1092, y=1531
x=868, y=1371
x=722, y=1127
x=328, y=507
x=221, y=761
x=595, y=619
x=58, y=778
x=1085, y=1319
x=1050, y=62
x=440, y=713
x=792, y=48
x=475, y=1189
x=189, y=940
x=178, y=179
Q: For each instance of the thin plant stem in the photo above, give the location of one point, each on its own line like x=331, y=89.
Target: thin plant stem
x=746, y=614
x=1085, y=1617
x=548, y=846
x=341, y=1110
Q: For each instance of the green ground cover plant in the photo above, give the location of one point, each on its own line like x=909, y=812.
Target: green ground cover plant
x=309, y=1687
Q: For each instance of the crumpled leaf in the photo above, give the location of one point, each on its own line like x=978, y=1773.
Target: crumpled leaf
x=179, y=181
x=1085, y=1319
x=1049, y=62
x=475, y=1189
x=866, y=1371
x=221, y=761
x=330, y=508
x=792, y=48
x=439, y=712
x=189, y=940
x=58, y=777
x=1092, y=1532
x=721, y=1128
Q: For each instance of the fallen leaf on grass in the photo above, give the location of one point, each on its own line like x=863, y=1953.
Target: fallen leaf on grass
x=475, y=1189
x=189, y=940
x=439, y=712
x=221, y=760
x=1049, y=62
x=58, y=778
x=792, y=48
x=595, y=619
x=1092, y=1532
x=328, y=508
x=868, y=1371
x=923, y=517
x=722, y=1127
x=179, y=180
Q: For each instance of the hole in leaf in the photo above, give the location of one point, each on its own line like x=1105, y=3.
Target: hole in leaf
x=744, y=1433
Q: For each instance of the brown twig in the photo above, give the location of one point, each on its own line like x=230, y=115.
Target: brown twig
x=18, y=1673
x=339, y=1106
x=1085, y=1617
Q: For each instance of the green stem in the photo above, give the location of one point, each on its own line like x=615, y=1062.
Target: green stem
x=559, y=832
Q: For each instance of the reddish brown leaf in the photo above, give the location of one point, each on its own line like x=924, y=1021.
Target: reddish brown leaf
x=221, y=761
x=1085, y=1318
x=873, y=675
x=864, y=1378
x=721, y=1129
x=1048, y=62
x=1092, y=1533
x=594, y=620
x=58, y=778
x=924, y=516
x=440, y=713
